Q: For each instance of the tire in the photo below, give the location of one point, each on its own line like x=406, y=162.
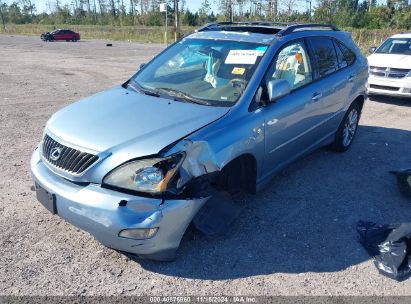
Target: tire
x=74, y=39
x=348, y=129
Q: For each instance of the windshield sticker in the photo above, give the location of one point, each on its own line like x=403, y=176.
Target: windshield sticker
x=242, y=56
x=262, y=49
x=238, y=71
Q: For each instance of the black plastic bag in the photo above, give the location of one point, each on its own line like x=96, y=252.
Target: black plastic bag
x=404, y=181
x=390, y=245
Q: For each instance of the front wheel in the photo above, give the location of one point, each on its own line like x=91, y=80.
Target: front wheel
x=347, y=129
x=74, y=39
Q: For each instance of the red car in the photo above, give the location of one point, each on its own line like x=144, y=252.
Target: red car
x=61, y=34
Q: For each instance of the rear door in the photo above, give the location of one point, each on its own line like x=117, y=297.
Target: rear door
x=331, y=84
x=346, y=59
x=70, y=35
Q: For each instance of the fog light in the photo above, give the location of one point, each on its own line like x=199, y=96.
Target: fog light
x=138, y=233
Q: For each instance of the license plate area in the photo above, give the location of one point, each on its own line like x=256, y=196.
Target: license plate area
x=47, y=199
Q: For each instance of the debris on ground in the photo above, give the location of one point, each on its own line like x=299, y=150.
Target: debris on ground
x=390, y=245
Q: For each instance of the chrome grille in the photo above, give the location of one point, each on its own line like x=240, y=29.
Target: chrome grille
x=388, y=72
x=69, y=159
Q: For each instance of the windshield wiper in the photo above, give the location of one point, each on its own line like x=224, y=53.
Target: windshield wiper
x=138, y=88
x=183, y=96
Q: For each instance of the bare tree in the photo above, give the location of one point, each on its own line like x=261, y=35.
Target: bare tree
x=88, y=7
x=272, y=9
x=2, y=17
x=132, y=12
x=176, y=19
x=112, y=8
x=289, y=6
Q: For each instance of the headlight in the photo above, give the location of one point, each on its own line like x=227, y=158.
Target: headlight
x=409, y=74
x=145, y=175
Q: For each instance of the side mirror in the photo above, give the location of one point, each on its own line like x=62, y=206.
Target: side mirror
x=142, y=65
x=277, y=88
x=372, y=49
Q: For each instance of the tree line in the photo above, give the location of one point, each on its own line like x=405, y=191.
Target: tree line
x=343, y=13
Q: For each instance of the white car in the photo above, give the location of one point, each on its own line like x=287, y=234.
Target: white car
x=390, y=67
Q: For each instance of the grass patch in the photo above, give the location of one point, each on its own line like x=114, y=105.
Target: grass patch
x=103, y=32
x=363, y=37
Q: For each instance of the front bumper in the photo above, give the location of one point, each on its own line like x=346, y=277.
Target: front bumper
x=389, y=86
x=97, y=211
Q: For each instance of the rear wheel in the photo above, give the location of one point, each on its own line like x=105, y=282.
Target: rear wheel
x=347, y=129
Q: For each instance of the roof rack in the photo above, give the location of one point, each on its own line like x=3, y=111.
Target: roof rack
x=268, y=24
x=290, y=29
x=283, y=28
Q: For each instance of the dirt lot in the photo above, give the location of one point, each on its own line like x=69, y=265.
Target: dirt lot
x=297, y=237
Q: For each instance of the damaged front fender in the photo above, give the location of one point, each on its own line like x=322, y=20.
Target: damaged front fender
x=198, y=172
x=199, y=161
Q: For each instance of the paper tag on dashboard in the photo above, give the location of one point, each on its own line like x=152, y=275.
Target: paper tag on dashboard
x=242, y=56
x=238, y=71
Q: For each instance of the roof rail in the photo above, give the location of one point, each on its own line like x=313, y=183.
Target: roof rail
x=216, y=25
x=294, y=27
x=283, y=28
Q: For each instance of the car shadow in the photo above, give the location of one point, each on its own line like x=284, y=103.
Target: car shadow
x=305, y=219
x=398, y=101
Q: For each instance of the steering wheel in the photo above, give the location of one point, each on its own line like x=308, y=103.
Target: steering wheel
x=242, y=82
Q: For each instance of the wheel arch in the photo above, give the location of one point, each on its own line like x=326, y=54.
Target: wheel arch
x=239, y=173
x=360, y=101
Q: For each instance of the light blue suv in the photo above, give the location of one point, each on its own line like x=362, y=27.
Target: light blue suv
x=225, y=107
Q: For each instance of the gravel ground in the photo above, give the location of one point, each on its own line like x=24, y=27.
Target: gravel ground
x=297, y=237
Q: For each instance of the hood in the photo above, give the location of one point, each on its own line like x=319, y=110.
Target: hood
x=120, y=118
x=390, y=61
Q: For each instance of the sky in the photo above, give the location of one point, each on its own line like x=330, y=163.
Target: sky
x=42, y=5
x=192, y=5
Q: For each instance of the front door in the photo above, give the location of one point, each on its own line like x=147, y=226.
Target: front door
x=291, y=123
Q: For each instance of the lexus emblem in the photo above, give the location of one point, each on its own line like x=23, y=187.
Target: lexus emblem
x=55, y=153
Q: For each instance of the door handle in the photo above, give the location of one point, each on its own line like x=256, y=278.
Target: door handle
x=351, y=78
x=316, y=96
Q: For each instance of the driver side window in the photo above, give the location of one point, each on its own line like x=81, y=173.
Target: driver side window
x=186, y=61
x=292, y=64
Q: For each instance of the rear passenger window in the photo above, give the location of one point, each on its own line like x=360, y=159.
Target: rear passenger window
x=324, y=56
x=341, y=59
x=348, y=54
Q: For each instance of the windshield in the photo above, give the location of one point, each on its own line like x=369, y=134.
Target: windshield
x=202, y=71
x=396, y=46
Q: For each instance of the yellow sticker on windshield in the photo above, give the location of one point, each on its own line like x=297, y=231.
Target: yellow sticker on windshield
x=238, y=71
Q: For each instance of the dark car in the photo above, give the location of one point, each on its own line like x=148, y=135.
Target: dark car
x=61, y=34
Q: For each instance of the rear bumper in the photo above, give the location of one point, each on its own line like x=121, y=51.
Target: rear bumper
x=97, y=211
x=388, y=86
